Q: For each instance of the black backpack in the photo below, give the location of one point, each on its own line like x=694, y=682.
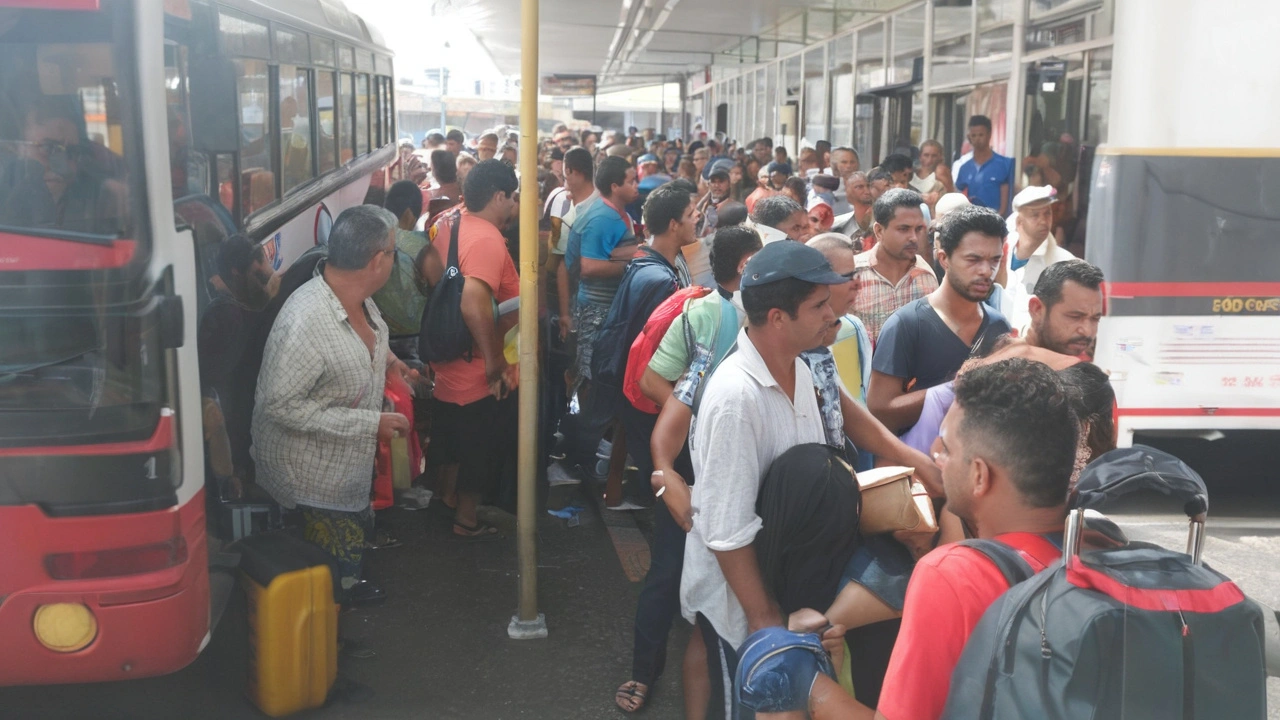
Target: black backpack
x=444, y=335
x=1124, y=633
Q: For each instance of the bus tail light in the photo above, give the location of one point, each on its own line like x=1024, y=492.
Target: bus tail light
x=114, y=563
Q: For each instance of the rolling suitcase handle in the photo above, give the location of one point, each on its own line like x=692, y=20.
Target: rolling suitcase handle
x=1124, y=471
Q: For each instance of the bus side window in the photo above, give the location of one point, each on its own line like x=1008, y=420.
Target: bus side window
x=363, y=102
x=325, y=102
x=187, y=173
x=257, y=146
x=346, y=120
x=296, y=100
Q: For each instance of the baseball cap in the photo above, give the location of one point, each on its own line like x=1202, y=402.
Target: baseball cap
x=720, y=167
x=789, y=259
x=1035, y=194
x=647, y=158
x=777, y=167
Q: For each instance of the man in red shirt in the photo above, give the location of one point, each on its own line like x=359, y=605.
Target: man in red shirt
x=473, y=418
x=1006, y=451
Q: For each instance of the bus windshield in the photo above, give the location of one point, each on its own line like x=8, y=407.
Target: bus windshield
x=1185, y=218
x=66, y=127
x=80, y=358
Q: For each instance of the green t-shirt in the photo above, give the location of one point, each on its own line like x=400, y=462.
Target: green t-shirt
x=400, y=300
x=713, y=333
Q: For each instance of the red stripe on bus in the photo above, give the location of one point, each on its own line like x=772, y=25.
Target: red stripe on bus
x=28, y=252
x=1203, y=600
x=161, y=439
x=1197, y=412
x=1192, y=289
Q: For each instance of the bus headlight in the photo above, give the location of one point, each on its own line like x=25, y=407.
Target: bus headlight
x=65, y=627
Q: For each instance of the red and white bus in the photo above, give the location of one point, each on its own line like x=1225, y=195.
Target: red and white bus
x=134, y=137
x=1184, y=220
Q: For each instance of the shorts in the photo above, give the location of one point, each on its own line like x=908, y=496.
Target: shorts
x=480, y=438
x=587, y=321
x=883, y=566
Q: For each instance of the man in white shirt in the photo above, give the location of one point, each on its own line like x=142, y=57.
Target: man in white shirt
x=933, y=177
x=779, y=217
x=758, y=404
x=1029, y=249
x=844, y=163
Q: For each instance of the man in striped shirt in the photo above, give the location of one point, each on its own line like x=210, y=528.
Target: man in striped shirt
x=892, y=273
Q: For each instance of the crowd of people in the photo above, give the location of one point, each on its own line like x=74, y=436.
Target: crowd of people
x=742, y=333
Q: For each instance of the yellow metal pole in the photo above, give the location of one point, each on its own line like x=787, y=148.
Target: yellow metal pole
x=528, y=623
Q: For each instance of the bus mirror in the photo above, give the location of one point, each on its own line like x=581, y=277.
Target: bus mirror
x=213, y=90
x=171, y=322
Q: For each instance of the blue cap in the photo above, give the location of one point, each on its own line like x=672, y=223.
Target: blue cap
x=789, y=259
x=647, y=158
x=777, y=167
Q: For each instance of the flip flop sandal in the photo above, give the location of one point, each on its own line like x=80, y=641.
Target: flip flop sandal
x=627, y=696
x=480, y=532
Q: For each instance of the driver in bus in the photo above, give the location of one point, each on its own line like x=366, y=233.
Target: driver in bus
x=56, y=178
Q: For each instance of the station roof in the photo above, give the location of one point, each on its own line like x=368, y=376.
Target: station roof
x=628, y=43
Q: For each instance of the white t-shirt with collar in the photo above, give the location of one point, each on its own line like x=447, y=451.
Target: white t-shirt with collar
x=1022, y=282
x=745, y=421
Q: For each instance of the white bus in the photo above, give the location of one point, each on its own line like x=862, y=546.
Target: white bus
x=1184, y=218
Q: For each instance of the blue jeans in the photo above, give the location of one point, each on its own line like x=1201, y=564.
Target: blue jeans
x=659, y=601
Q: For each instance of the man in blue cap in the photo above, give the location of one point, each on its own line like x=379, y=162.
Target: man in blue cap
x=719, y=194
x=758, y=404
x=649, y=170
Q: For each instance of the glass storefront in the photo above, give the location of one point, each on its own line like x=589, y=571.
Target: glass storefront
x=885, y=84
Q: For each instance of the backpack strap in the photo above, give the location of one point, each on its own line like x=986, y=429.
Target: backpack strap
x=1007, y=560
x=454, y=221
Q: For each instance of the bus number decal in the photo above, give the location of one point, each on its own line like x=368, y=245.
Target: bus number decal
x=1246, y=305
x=149, y=467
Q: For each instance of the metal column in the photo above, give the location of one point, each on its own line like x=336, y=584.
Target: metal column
x=926, y=81
x=528, y=623
x=1016, y=99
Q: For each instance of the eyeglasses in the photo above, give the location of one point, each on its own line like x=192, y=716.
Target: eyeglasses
x=59, y=155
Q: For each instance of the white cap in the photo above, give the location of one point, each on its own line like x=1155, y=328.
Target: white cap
x=949, y=202
x=1035, y=194
x=815, y=202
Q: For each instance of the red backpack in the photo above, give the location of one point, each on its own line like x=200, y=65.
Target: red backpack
x=646, y=344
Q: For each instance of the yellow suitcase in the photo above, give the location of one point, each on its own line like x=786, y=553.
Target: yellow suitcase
x=293, y=623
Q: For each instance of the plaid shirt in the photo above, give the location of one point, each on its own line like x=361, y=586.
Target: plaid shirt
x=876, y=298
x=319, y=400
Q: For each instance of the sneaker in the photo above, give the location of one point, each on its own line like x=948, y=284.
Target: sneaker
x=558, y=475
x=415, y=498
x=627, y=506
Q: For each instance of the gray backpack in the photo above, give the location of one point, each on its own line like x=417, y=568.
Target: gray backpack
x=1125, y=633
